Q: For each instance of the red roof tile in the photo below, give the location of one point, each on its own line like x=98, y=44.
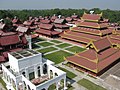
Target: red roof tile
x=34, y=36
x=90, y=54
x=28, y=23
x=61, y=26
x=74, y=38
x=46, y=26
x=90, y=17
x=92, y=24
x=101, y=44
x=82, y=62
x=69, y=19
x=74, y=16
x=8, y=40
x=88, y=36
x=115, y=36
x=109, y=60
x=14, y=20
x=47, y=32
x=45, y=21
x=60, y=21
x=92, y=31
x=8, y=33
x=22, y=29
x=91, y=60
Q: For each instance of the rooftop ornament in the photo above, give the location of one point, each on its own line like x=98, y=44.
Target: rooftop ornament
x=91, y=12
x=59, y=16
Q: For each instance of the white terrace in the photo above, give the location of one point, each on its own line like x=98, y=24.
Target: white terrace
x=28, y=70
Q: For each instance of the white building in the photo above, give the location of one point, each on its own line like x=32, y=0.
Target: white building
x=28, y=70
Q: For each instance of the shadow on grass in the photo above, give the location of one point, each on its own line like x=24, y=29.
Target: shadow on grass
x=35, y=40
x=71, y=81
x=34, y=46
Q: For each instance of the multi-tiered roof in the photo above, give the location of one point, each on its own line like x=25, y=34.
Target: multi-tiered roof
x=96, y=59
x=91, y=28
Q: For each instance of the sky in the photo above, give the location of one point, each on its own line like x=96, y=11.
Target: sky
x=62, y=4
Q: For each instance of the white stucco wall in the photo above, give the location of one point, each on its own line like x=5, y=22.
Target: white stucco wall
x=13, y=63
x=30, y=61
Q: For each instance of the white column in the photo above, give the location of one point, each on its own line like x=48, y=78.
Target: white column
x=49, y=73
x=35, y=72
x=41, y=69
x=57, y=86
x=30, y=45
x=53, y=74
x=65, y=83
x=26, y=74
x=28, y=37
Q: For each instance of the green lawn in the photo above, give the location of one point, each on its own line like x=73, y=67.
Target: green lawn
x=75, y=49
x=45, y=50
x=3, y=83
x=58, y=56
x=90, y=85
x=70, y=75
x=63, y=45
x=56, y=41
x=52, y=87
x=44, y=44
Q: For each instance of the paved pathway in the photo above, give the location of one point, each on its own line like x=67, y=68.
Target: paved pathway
x=80, y=75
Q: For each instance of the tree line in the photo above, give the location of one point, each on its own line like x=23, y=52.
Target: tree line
x=112, y=15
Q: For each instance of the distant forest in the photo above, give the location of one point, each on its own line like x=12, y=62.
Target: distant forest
x=112, y=15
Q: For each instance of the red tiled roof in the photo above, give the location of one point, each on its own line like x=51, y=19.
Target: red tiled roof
x=46, y=26
x=90, y=17
x=74, y=16
x=105, y=54
x=86, y=30
x=74, y=38
x=8, y=33
x=22, y=29
x=109, y=60
x=118, y=32
x=82, y=62
x=114, y=41
x=69, y=19
x=61, y=26
x=101, y=44
x=45, y=21
x=90, y=54
x=115, y=36
x=28, y=23
x=8, y=40
x=92, y=31
x=34, y=36
x=14, y=20
x=54, y=17
x=92, y=24
x=59, y=21
x=91, y=60
x=47, y=32
x=87, y=36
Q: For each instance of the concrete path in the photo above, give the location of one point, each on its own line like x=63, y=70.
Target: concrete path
x=80, y=75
